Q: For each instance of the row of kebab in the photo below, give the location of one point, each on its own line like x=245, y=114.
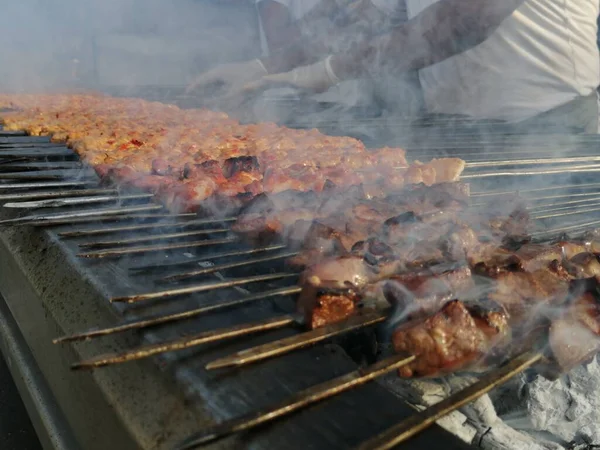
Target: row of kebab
x=463, y=287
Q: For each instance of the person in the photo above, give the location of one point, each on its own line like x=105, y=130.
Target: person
x=527, y=62
x=298, y=32
x=279, y=28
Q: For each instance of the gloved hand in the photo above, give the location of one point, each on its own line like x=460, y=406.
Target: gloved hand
x=234, y=75
x=317, y=77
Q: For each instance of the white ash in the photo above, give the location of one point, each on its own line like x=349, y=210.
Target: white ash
x=536, y=414
x=568, y=408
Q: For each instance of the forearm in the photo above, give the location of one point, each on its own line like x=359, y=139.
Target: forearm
x=442, y=30
x=297, y=54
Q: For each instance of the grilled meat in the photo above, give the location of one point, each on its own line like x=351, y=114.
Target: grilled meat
x=465, y=335
x=163, y=140
x=417, y=294
x=457, y=337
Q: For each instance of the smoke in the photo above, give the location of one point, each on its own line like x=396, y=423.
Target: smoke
x=58, y=45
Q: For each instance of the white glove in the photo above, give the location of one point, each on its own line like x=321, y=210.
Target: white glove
x=317, y=77
x=234, y=75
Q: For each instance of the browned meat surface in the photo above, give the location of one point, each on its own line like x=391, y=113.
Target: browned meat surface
x=534, y=257
x=574, y=337
x=331, y=307
x=583, y=265
x=417, y=294
x=453, y=339
x=521, y=293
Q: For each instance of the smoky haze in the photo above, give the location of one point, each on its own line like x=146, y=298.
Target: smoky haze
x=55, y=45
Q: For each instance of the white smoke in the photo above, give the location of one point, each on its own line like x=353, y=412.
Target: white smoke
x=55, y=45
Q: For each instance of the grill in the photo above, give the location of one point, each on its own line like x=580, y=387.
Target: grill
x=82, y=256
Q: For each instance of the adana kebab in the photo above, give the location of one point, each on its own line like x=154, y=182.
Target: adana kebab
x=198, y=160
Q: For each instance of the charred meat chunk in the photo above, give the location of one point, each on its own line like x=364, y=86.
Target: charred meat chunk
x=237, y=164
x=455, y=338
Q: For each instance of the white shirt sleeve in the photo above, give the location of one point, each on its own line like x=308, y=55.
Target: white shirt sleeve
x=388, y=6
x=298, y=8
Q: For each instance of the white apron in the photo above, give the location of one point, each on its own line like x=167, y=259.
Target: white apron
x=542, y=56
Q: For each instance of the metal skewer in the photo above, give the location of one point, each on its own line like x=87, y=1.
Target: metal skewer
x=66, y=193
x=43, y=175
x=185, y=342
x=578, y=211
x=298, y=401
x=9, y=133
x=112, y=253
x=13, y=160
x=126, y=228
x=220, y=267
x=115, y=218
x=533, y=161
x=421, y=420
x=194, y=261
x=38, y=151
x=153, y=321
x=60, y=202
x=565, y=229
x=286, y=345
x=201, y=288
x=34, y=166
x=79, y=214
x=153, y=238
x=542, y=189
x=49, y=184
x=560, y=207
x=560, y=170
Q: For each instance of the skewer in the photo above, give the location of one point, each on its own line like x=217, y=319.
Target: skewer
x=560, y=207
x=300, y=400
x=305, y=339
x=41, y=165
x=57, y=203
x=49, y=184
x=560, y=170
x=542, y=189
x=116, y=218
x=144, y=323
x=111, y=253
x=185, y=342
x=565, y=229
x=533, y=161
x=588, y=197
x=194, y=261
x=156, y=237
x=422, y=420
x=204, y=287
x=43, y=175
x=14, y=160
x=549, y=216
x=8, y=133
x=36, y=151
x=221, y=267
x=126, y=228
x=74, y=215
x=66, y=193
x=553, y=204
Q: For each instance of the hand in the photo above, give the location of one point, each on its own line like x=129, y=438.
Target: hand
x=232, y=75
x=317, y=77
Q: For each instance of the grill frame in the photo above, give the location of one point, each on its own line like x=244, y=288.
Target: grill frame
x=51, y=292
